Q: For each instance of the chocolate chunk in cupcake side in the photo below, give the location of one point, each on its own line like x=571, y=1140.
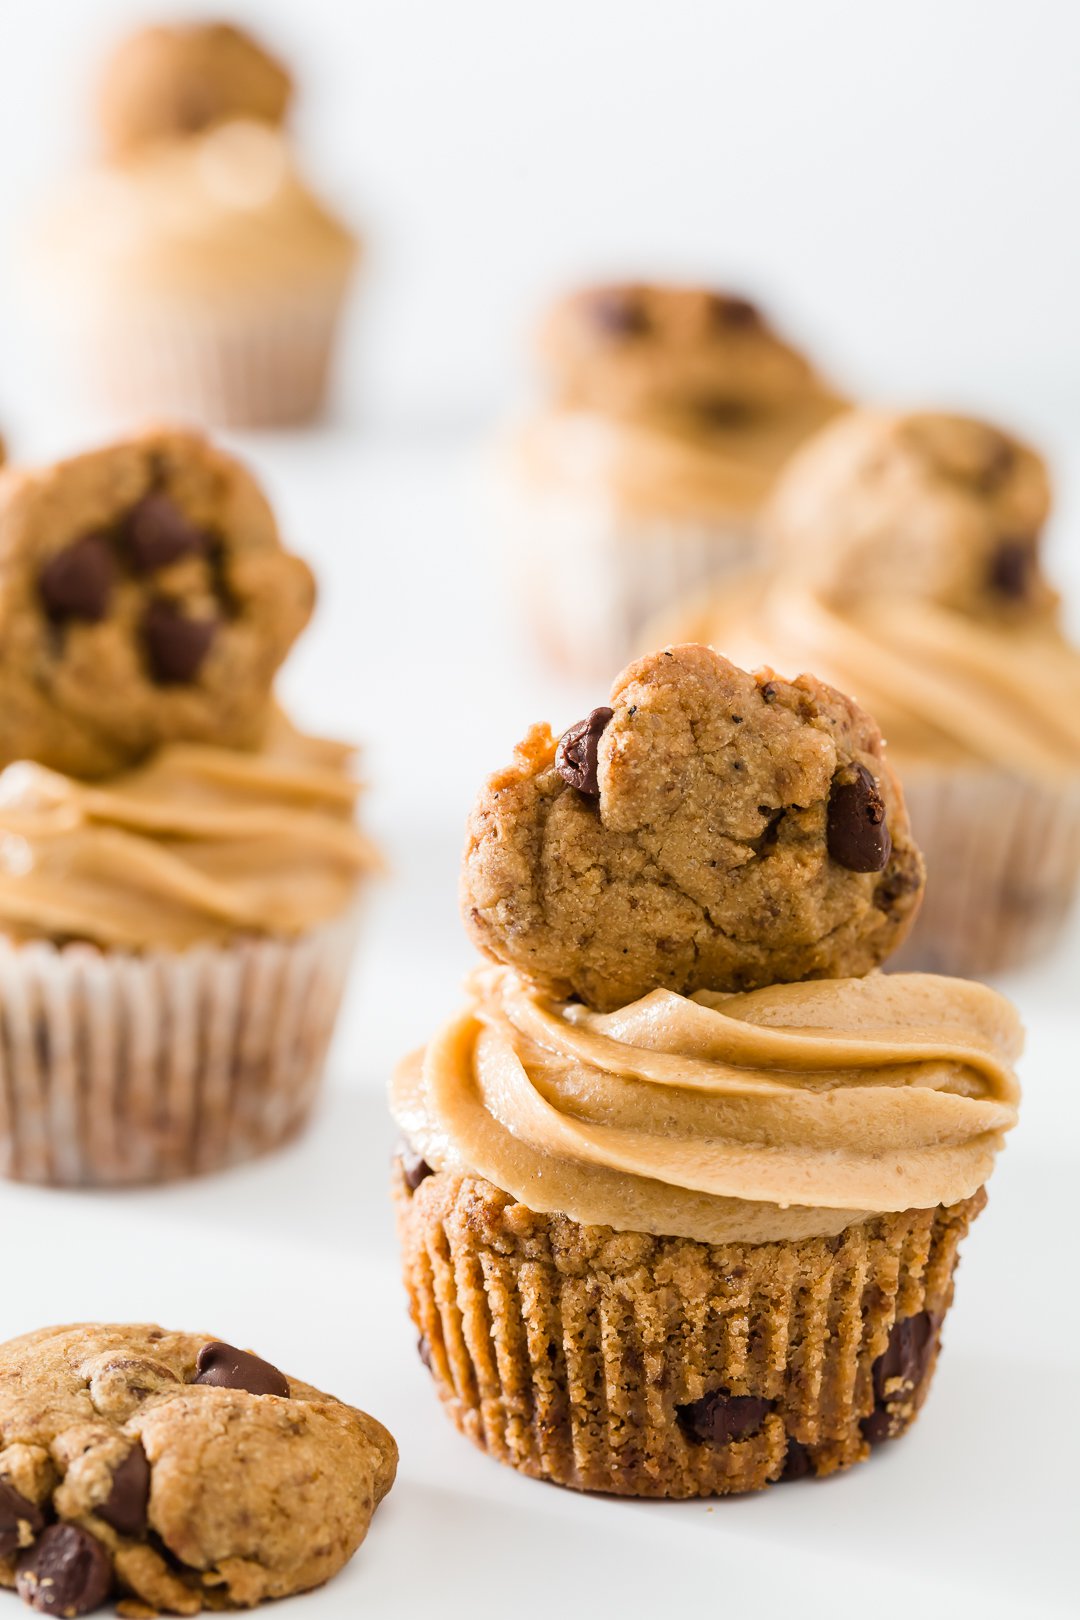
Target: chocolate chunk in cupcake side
x=708, y=829
x=146, y=598
x=174, y=1470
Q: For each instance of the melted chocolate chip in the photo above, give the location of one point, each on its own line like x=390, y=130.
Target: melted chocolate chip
x=857, y=833
x=175, y=645
x=228, y=1368
x=15, y=1511
x=1012, y=569
x=797, y=1464
x=575, y=758
x=158, y=534
x=720, y=1418
x=125, y=1506
x=413, y=1167
x=734, y=313
x=619, y=311
x=67, y=1572
x=898, y=1373
x=77, y=583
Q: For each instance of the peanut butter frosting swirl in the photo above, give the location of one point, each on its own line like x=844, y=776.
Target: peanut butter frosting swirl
x=199, y=845
x=942, y=685
x=781, y=1113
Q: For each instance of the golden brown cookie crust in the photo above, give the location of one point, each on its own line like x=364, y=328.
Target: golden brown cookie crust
x=173, y=81
x=124, y=627
x=703, y=861
x=249, y=1496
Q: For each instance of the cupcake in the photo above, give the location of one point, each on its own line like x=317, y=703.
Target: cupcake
x=906, y=570
x=684, y=1184
x=671, y=410
x=179, y=866
x=195, y=273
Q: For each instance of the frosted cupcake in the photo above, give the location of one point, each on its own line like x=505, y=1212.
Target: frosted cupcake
x=906, y=552
x=671, y=410
x=685, y=1182
x=179, y=867
x=195, y=274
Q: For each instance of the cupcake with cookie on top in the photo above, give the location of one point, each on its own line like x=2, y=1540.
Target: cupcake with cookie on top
x=684, y=1183
x=670, y=411
x=179, y=865
x=906, y=567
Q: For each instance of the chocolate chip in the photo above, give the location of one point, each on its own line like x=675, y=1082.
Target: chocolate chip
x=413, y=1167
x=423, y=1350
x=898, y=1373
x=728, y=311
x=175, y=645
x=1012, y=569
x=619, y=311
x=158, y=534
x=77, y=583
x=66, y=1573
x=228, y=1368
x=720, y=1418
x=857, y=833
x=125, y=1506
x=15, y=1511
x=797, y=1464
x=575, y=759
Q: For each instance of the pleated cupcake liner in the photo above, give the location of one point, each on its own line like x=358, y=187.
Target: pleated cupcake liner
x=262, y=364
x=1002, y=867
x=662, y=1367
x=590, y=579
x=117, y=1069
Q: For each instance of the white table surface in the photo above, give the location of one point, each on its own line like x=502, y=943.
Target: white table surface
x=974, y=1512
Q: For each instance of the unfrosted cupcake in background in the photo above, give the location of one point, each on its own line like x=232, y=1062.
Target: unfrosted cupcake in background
x=906, y=569
x=195, y=273
x=670, y=411
x=684, y=1184
x=179, y=866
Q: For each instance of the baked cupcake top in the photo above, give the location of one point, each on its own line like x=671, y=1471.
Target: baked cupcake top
x=169, y=81
x=644, y=1059
x=709, y=830
x=175, y=1469
x=944, y=509
x=221, y=216
x=669, y=398
x=145, y=598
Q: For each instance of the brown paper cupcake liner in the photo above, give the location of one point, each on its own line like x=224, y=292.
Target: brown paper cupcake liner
x=591, y=578
x=118, y=1069
x=662, y=1367
x=1002, y=865
x=265, y=365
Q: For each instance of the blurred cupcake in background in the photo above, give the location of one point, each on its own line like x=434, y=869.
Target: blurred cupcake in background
x=194, y=273
x=180, y=867
x=906, y=569
x=670, y=412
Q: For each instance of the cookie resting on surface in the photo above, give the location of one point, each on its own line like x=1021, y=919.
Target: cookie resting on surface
x=145, y=598
x=175, y=1471
x=712, y=830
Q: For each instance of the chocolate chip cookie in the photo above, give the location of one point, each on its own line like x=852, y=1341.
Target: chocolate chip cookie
x=945, y=508
x=709, y=830
x=633, y=348
x=176, y=1470
x=145, y=598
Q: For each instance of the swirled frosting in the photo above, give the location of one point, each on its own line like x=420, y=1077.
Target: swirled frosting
x=941, y=685
x=782, y=1113
x=198, y=845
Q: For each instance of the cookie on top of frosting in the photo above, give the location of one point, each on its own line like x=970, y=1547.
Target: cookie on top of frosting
x=176, y=1470
x=921, y=504
x=145, y=598
x=631, y=348
x=710, y=830
x=169, y=81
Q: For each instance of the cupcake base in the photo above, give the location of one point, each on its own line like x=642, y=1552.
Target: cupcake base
x=123, y=1070
x=662, y=1367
